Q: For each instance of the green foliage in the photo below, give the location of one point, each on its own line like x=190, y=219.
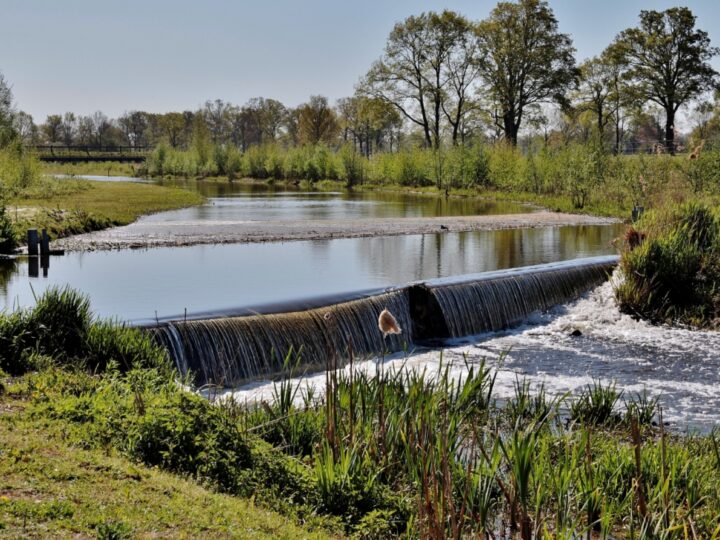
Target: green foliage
x=8, y=237
x=520, y=71
x=703, y=173
x=401, y=452
x=113, y=530
x=60, y=328
x=19, y=170
x=353, y=166
x=674, y=275
x=595, y=406
x=667, y=42
x=61, y=319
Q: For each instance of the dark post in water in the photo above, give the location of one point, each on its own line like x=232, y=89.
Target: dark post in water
x=44, y=243
x=32, y=242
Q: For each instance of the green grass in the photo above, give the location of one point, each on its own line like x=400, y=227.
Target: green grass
x=95, y=168
x=671, y=267
x=50, y=488
x=71, y=206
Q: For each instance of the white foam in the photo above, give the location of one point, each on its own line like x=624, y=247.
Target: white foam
x=679, y=366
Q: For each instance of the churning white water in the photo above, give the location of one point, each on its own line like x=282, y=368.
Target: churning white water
x=681, y=367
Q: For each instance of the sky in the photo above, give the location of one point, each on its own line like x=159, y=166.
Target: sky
x=163, y=55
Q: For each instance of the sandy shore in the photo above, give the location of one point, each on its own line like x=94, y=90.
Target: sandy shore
x=146, y=233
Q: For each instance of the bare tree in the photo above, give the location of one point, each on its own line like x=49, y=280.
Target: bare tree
x=100, y=127
x=68, y=128
x=51, y=129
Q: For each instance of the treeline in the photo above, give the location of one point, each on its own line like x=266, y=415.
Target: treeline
x=446, y=80
x=579, y=175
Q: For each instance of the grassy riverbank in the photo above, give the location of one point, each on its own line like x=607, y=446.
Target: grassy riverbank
x=31, y=198
x=83, y=206
x=371, y=455
x=52, y=487
x=555, y=203
x=671, y=265
x=66, y=207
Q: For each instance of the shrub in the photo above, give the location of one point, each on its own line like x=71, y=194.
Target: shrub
x=255, y=159
x=8, y=237
x=60, y=321
x=674, y=275
x=61, y=328
x=353, y=166
x=703, y=173
x=595, y=405
x=506, y=167
x=108, y=342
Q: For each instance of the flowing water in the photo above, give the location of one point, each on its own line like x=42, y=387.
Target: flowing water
x=569, y=347
x=226, y=350
x=564, y=348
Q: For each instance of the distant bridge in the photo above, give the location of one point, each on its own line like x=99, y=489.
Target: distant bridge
x=78, y=153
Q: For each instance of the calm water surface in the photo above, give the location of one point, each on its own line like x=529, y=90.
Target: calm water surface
x=138, y=284
x=135, y=284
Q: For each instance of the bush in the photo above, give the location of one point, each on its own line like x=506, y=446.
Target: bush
x=8, y=237
x=60, y=321
x=61, y=327
x=703, y=173
x=674, y=275
x=353, y=166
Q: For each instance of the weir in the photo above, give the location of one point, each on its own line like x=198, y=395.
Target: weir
x=228, y=350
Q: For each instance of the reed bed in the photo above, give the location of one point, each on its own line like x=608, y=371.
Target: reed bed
x=461, y=463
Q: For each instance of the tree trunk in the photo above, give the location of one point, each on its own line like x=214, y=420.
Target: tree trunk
x=510, y=127
x=670, y=129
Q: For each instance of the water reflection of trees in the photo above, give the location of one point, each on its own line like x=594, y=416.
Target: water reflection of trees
x=400, y=259
x=8, y=268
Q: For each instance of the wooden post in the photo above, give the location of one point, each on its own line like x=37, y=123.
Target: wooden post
x=32, y=242
x=44, y=243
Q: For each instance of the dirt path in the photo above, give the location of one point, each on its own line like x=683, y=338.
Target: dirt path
x=144, y=234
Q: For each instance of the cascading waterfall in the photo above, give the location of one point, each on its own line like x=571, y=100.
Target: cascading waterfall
x=498, y=300
x=229, y=350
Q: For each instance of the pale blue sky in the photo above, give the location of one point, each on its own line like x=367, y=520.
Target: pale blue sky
x=161, y=55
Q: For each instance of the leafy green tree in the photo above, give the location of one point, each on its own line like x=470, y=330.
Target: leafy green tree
x=134, y=125
x=523, y=60
x=595, y=90
x=317, y=122
x=368, y=122
x=173, y=125
x=7, y=113
x=668, y=61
